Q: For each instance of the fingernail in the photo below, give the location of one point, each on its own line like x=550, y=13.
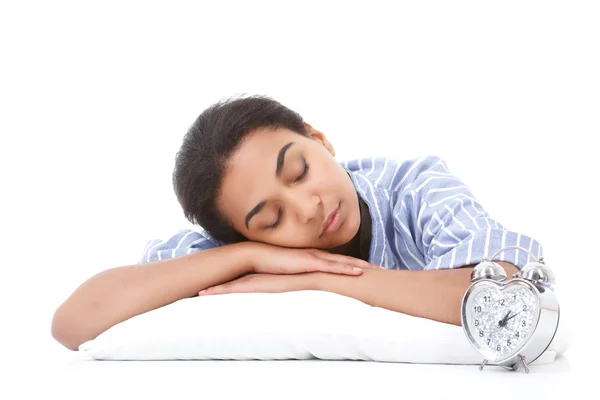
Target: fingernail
x=202, y=291
x=382, y=267
x=357, y=269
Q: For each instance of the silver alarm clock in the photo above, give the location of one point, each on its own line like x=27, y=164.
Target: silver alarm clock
x=510, y=323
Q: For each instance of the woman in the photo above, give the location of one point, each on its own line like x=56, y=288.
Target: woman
x=279, y=213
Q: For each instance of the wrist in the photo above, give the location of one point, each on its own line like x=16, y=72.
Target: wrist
x=246, y=256
x=314, y=280
x=250, y=255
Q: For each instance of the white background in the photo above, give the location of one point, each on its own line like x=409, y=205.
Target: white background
x=96, y=97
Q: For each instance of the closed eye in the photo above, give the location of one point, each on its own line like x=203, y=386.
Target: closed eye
x=303, y=174
x=279, y=213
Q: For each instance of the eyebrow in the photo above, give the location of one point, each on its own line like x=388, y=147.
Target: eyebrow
x=255, y=211
x=278, y=170
x=281, y=157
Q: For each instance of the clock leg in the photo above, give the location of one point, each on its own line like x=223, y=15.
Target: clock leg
x=522, y=361
x=483, y=364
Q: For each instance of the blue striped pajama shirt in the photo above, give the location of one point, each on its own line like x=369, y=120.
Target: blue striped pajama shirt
x=423, y=218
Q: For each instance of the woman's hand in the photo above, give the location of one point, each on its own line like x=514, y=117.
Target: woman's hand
x=270, y=259
x=262, y=283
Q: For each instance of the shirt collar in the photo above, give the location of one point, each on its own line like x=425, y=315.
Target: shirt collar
x=364, y=244
x=365, y=228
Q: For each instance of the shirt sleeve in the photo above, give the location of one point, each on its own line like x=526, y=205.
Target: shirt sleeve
x=439, y=214
x=184, y=242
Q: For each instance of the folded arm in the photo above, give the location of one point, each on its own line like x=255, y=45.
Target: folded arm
x=168, y=273
x=432, y=294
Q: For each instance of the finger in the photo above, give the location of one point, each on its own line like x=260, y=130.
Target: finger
x=331, y=266
x=357, y=262
x=219, y=289
x=342, y=259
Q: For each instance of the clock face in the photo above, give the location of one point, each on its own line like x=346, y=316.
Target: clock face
x=498, y=319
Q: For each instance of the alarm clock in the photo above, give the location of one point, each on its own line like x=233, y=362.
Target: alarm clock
x=510, y=323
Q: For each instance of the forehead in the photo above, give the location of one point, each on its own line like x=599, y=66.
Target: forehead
x=261, y=144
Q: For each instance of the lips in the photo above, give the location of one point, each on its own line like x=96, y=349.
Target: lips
x=332, y=222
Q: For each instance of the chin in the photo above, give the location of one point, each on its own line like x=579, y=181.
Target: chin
x=345, y=235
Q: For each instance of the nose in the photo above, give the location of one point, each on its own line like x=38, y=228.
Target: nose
x=306, y=206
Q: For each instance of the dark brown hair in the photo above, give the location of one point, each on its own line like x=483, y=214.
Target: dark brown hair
x=214, y=136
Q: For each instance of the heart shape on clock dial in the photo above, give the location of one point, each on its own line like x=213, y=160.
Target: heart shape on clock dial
x=499, y=318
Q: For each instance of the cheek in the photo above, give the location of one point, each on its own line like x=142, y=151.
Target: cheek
x=287, y=238
x=329, y=179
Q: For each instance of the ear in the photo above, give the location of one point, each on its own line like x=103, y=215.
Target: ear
x=320, y=137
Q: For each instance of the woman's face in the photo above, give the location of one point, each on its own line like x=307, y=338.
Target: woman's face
x=281, y=187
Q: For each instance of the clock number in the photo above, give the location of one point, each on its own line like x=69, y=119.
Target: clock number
x=501, y=302
x=508, y=342
x=517, y=334
x=524, y=307
x=498, y=348
x=488, y=342
x=476, y=322
x=487, y=298
x=523, y=323
x=480, y=333
x=515, y=297
x=477, y=308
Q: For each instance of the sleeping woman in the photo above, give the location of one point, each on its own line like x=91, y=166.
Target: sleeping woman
x=276, y=212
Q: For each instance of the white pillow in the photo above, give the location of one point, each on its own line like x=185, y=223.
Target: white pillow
x=293, y=325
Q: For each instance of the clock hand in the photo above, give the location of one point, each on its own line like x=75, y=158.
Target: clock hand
x=512, y=316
